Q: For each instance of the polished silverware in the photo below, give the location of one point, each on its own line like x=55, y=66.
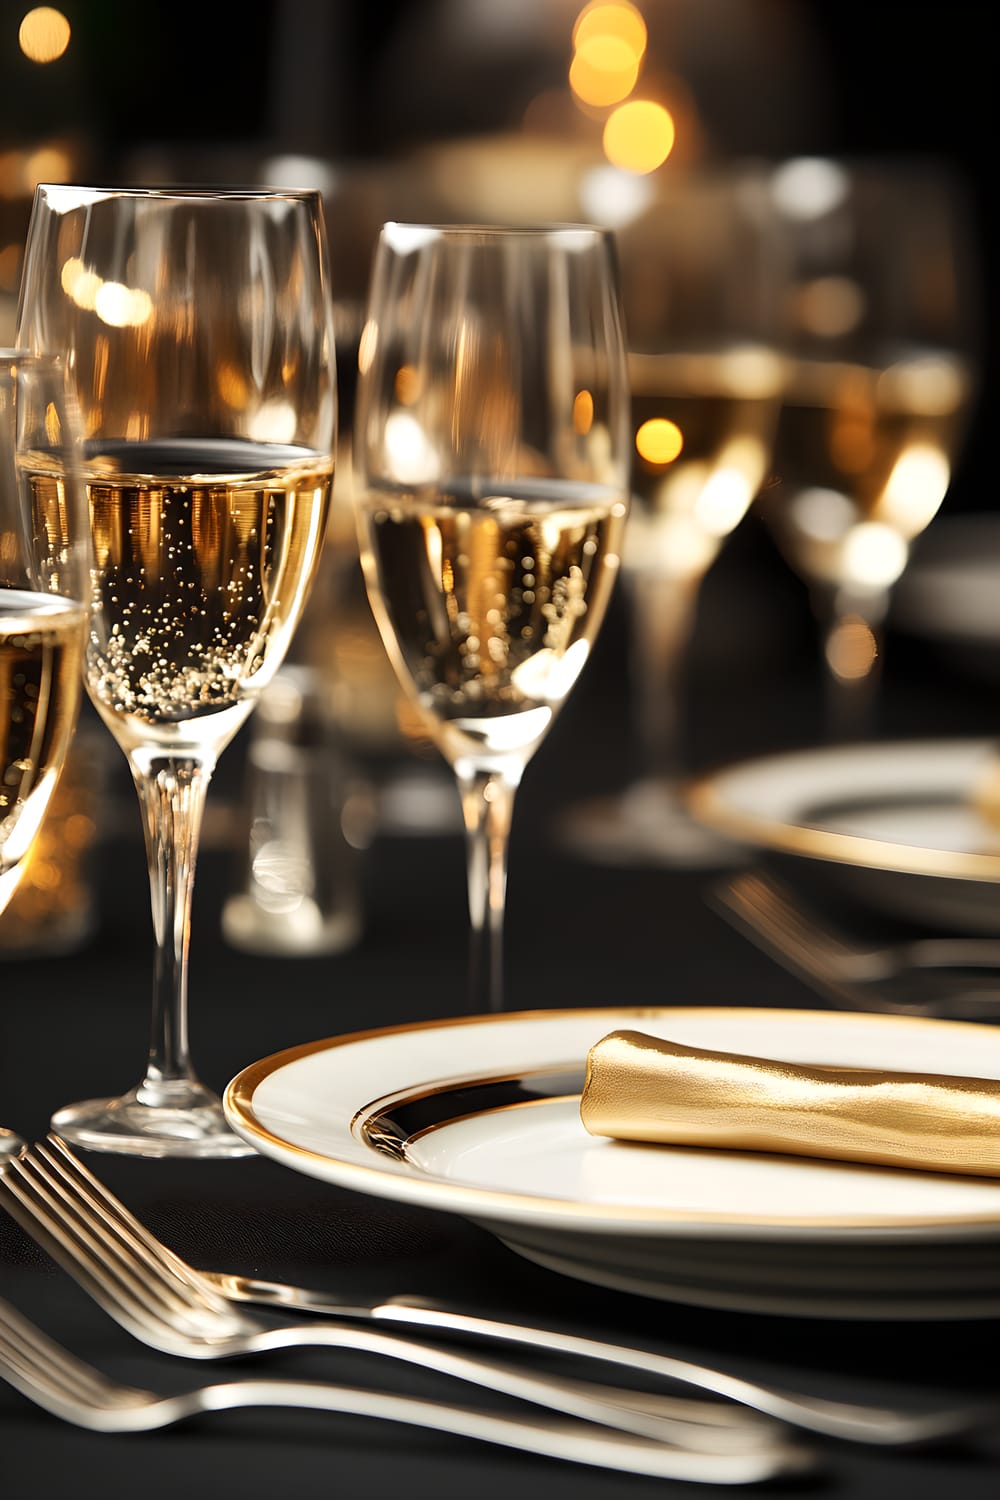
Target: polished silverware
x=57, y=1380
x=80, y=1205
x=174, y=1309
x=938, y=976
x=10, y=1144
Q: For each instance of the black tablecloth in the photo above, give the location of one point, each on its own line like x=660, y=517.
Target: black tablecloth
x=578, y=935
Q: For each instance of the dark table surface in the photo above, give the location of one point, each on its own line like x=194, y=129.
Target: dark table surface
x=74, y=1026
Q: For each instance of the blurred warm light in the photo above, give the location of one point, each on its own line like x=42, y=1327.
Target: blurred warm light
x=822, y=515
x=117, y=305
x=583, y=413
x=934, y=386
x=614, y=198
x=830, y=306
x=604, y=71
x=366, y=346
x=602, y=18
x=724, y=501
x=232, y=386
x=79, y=283
x=546, y=675
x=852, y=433
x=22, y=171
x=47, y=164
x=851, y=649
x=726, y=496
x=53, y=426
x=750, y=370
x=809, y=187
x=44, y=34
x=659, y=441
x=407, y=384
x=639, y=136
x=409, y=454
x=670, y=544
x=873, y=555
x=274, y=422
x=915, y=489
x=121, y=307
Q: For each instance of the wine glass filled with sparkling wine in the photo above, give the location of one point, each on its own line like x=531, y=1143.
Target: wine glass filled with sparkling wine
x=491, y=467
x=44, y=592
x=702, y=269
x=884, y=310
x=197, y=328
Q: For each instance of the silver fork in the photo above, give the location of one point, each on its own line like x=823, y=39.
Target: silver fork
x=86, y=1227
x=926, y=974
x=56, y=1380
x=171, y=1307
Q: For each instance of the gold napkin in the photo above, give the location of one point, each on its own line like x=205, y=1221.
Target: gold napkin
x=639, y=1088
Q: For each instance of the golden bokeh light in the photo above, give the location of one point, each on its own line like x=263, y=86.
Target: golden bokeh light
x=604, y=71
x=639, y=136
x=659, y=441
x=44, y=34
x=583, y=413
x=851, y=649
x=611, y=18
x=408, y=384
x=47, y=164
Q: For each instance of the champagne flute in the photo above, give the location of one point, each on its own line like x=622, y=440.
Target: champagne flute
x=491, y=469
x=197, y=328
x=44, y=596
x=883, y=302
x=702, y=280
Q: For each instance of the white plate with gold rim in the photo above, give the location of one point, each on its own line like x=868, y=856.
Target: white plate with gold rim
x=911, y=827
x=480, y=1117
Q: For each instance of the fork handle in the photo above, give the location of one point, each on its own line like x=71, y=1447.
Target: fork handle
x=551, y=1437
x=874, y=1425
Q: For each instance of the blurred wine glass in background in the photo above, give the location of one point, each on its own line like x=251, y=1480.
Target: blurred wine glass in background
x=883, y=305
x=702, y=276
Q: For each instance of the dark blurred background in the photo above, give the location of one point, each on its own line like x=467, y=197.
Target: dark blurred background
x=463, y=109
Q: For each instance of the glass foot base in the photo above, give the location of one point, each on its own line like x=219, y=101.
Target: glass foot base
x=648, y=824
x=172, y=1120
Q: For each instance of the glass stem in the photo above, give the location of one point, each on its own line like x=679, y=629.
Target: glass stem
x=172, y=793
x=663, y=616
x=853, y=643
x=487, y=808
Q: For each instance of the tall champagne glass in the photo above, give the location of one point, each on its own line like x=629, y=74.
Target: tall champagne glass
x=702, y=281
x=884, y=311
x=491, y=462
x=198, y=332
x=44, y=594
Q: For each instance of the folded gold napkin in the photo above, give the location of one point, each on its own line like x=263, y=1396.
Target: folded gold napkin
x=639, y=1088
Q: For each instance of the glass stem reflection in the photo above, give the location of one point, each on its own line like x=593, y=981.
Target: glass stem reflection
x=663, y=616
x=172, y=793
x=853, y=629
x=487, y=809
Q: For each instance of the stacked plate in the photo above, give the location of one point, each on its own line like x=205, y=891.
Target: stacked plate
x=480, y=1117
x=910, y=828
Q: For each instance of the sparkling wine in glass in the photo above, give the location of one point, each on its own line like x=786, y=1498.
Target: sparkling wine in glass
x=883, y=309
x=702, y=281
x=197, y=328
x=44, y=596
x=491, y=464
